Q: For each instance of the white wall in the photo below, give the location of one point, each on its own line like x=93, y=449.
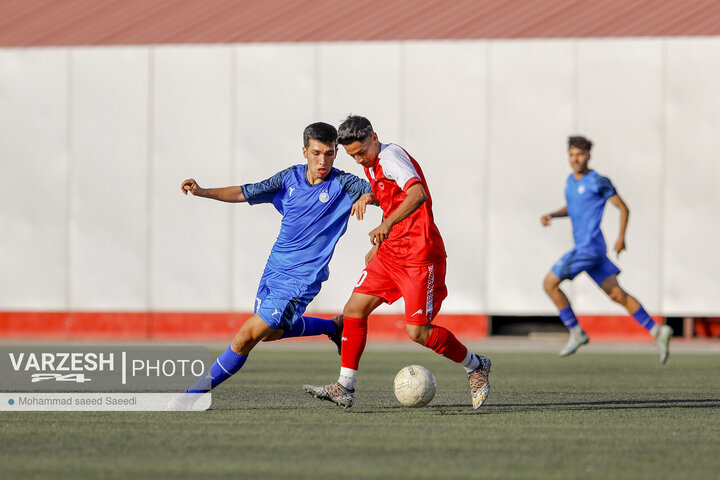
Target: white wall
x=35, y=168
x=191, y=137
x=108, y=179
x=691, y=203
x=94, y=143
x=531, y=112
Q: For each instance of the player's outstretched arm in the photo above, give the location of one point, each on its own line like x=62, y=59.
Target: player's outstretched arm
x=624, y=217
x=416, y=196
x=224, y=194
x=360, y=205
x=545, y=219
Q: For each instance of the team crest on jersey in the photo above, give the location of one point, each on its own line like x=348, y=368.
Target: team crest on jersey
x=581, y=189
x=381, y=185
x=324, y=197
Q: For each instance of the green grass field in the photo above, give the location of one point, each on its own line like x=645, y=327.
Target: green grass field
x=588, y=416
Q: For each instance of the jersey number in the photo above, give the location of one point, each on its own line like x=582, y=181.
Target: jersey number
x=363, y=276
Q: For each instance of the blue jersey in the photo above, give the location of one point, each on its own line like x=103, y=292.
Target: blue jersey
x=314, y=218
x=585, y=205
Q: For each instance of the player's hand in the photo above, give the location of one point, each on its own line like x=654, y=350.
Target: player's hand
x=359, y=207
x=545, y=220
x=190, y=185
x=371, y=254
x=619, y=246
x=380, y=234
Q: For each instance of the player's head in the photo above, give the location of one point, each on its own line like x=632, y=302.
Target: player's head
x=320, y=131
x=356, y=134
x=580, y=142
x=319, y=149
x=579, y=153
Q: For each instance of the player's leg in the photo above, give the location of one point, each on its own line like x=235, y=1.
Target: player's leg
x=566, y=268
x=278, y=299
x=661, y=333
x=373, y=288
x=228, y=363
x=231, y=360
x=577, y=337
x=551, y=285
x=354, y=338
x=424, y=290
x=306, y=326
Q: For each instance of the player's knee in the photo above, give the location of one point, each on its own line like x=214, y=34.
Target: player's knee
x=351, y=311
x=418, y=333
x=550, y=284
x=242, y=343
x=417, y=337
x=237, y=345
x=358, y=307
x=617, y=294
x=275, y=335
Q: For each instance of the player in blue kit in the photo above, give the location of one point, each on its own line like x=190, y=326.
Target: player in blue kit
x=586, y=193
x=315, y=201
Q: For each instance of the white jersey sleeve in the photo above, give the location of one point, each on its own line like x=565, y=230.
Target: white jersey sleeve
x=397, y=166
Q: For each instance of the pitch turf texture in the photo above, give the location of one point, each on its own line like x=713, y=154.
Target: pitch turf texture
x=586, y=416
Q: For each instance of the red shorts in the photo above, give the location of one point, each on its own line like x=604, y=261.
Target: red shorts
x=422, y=287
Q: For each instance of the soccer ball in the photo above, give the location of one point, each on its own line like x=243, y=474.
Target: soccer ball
x=414, y=386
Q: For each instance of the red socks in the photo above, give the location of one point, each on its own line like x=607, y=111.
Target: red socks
x=354, y=337
x=442, y=341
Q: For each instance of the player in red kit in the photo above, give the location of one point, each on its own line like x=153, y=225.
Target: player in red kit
x=407, y=260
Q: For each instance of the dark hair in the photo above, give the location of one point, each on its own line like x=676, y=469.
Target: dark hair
x=354, y=129
x=579, y=142
x=320, y=131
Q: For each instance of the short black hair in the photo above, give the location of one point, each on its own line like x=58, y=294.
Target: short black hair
x=354, y=129
x=320, y=131
x=580, y=142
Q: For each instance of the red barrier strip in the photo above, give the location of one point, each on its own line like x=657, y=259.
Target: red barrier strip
x=615, y=328
x=189, y=325
x=222, y=326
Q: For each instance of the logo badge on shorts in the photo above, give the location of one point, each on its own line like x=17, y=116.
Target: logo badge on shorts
x=324, y=197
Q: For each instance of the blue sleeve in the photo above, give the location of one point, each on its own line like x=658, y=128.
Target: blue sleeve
x=264, y=191
x=605, y=187
x=354, y=186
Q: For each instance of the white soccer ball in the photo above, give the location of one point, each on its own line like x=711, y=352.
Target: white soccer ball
x=414, y=386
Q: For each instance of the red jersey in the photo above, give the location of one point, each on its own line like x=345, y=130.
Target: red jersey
x=415, y=240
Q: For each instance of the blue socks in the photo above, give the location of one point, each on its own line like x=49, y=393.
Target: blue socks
x=568, y=317
x=223, y=368
x=641, y=316
x=229, y=362
x=644, y=319
x=309, y=326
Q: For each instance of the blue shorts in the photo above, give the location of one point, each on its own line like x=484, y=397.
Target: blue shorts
x=281, y=299
x=599, y=267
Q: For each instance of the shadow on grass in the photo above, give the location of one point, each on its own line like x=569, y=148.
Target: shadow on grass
x=496, y=408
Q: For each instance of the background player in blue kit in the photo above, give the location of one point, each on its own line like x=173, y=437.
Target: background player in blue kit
x=586, y=193
x=316, y=201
